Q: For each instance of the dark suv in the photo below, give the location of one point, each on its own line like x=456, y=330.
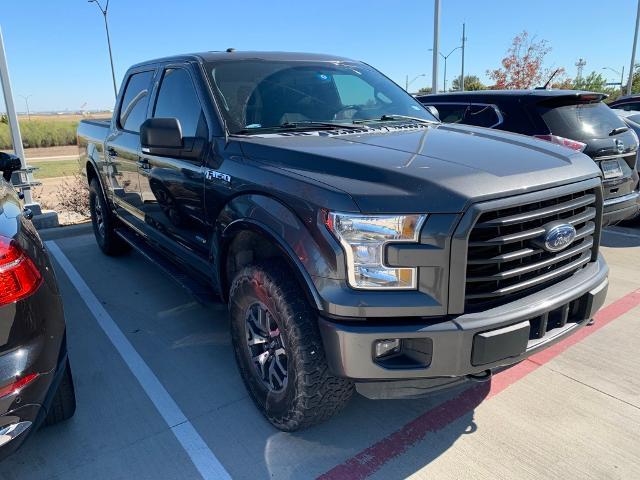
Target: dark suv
x=578, y=120
x=628, y=103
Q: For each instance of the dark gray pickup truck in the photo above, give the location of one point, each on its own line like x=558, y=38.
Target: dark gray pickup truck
x=359, y=243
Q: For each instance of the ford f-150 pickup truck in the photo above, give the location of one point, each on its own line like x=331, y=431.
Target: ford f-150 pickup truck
x=359, y=243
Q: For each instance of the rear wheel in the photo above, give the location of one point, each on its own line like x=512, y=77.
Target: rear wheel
x=279, y=350
x=63, y=405
x=104, y=223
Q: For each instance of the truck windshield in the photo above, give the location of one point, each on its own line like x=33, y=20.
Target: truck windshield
x=258, y=95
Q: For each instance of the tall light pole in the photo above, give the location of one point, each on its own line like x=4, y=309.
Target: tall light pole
x=621, y=76
x=436, y=44
x=445, y=65
x=106, y=26
x=633, y=51
x=407, y=82
x=26, y=101
x=464, y=39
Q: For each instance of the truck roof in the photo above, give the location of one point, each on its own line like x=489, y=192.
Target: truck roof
x=230, y=54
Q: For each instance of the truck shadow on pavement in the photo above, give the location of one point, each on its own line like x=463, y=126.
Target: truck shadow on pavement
x=370, y=434
x=619, y=238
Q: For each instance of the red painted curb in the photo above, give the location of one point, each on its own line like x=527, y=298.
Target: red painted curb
x=371, y=459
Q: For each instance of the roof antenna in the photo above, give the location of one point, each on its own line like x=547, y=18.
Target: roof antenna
x=555, y=72
x=231, y=50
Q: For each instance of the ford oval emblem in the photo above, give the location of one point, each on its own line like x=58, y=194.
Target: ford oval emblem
x=558, y=236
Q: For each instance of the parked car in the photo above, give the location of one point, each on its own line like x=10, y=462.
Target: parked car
x=627, y=102
x=578, y=120
x=629, y=116
x=360, y=243
x=36, y=386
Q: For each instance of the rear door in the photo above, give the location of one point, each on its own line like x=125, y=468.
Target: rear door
x=123, y=146
x=172, y=188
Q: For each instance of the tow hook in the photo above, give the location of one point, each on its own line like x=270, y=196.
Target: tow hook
x=480, y=377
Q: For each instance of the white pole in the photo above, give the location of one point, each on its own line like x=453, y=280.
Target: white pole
x=14, y=126
x=436, y=44
x=462, y=73
x=633, y=51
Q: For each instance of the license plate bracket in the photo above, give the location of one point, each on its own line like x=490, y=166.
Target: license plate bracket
x=611, y=169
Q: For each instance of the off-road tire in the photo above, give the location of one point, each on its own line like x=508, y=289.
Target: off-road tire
x=312, y=394
x=108, y=241
x=63, y=405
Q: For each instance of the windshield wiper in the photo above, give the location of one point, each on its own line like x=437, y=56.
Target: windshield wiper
x=618, y=130
x=387, y=118
x=306, y=125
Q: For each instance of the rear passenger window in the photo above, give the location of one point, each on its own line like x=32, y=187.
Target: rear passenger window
x=178, y=99
x=482, y=116
x=451, y=112
x=133, y=110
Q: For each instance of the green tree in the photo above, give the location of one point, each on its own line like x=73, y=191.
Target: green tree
x=471, y=82
x=424, y=91
x=594, y=82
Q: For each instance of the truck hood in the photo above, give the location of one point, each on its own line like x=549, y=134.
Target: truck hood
x=439, y=169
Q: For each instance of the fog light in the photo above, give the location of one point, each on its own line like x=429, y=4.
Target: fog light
x=385, y=348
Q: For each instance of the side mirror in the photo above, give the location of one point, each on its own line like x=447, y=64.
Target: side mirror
x=157, y=135
x=163, y=137
x=9, y=164
x=434, y=111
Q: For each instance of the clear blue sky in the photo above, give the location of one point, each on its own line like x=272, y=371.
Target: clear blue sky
x=57, y=49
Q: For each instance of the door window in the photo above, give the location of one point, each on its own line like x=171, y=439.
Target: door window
x=482, y=116
x=133, y=109
x=451, y=112
x=633, y=106
x=177, y=98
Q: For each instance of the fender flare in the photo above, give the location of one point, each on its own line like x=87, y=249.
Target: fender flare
x=270, y=218
x=303, y=277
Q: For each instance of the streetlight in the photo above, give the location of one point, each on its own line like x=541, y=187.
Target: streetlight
x=26, y=101
x=407, y=82
x=617, y=72
x=445, y=64
x=106, y=26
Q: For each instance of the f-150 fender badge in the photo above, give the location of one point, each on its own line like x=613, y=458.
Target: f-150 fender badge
x=214, y=175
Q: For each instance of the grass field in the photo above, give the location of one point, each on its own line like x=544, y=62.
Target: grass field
x=45, y=130
x=58, y=168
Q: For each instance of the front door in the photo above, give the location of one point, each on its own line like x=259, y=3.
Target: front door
x=172, y=189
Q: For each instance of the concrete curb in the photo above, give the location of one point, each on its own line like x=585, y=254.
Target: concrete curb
x=56, y=233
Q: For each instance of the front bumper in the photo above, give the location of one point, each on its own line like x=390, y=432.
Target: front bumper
x=621, y=208
x=468, y=344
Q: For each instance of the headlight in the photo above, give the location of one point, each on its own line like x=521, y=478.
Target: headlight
x=363, y=238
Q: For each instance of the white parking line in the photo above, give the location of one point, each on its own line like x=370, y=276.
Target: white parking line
x=199, y=453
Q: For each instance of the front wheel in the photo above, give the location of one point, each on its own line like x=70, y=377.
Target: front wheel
x=279, y=350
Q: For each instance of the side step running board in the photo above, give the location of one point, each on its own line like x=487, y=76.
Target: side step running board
x=201, y=292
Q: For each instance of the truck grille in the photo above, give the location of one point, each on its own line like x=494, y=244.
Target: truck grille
x=503, y=263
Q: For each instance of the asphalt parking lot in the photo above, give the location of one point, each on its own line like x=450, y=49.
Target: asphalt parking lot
x=159, y=396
